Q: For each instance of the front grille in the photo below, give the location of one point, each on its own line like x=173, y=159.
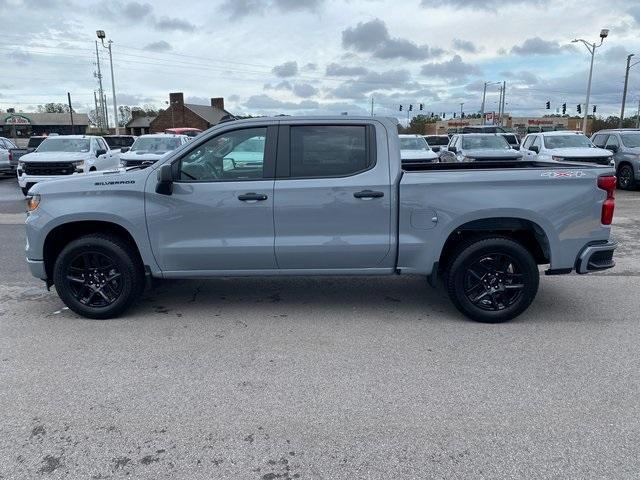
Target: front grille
x=596, y=160
x=48, y=168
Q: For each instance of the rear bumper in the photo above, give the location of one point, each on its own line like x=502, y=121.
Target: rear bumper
x=36, y=267
x=596, y=257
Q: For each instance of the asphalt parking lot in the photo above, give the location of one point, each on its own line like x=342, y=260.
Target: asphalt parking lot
x=334, y=378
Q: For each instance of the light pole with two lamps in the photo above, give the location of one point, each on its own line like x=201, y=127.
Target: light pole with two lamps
x=591, y=47
x=101, y=35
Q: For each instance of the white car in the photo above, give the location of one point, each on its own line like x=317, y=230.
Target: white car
x=563, y=146
x=150, y=148
x=415, y=149
x=63, y=155
x=5, y=164
x=438, y=143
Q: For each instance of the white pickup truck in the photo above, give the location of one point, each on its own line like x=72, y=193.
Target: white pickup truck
x=65, y=155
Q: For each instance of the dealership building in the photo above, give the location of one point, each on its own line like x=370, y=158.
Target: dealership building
x=520, y=125
x=24, y=125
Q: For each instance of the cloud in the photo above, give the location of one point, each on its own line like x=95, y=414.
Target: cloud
x=538, y=46
x=237, y=9
x=287, y=69
x=134, y=99
x=373, y=37
x=283, y=85
x=524, y=77
x=135, y=10
x=478, y=4
x=464, y=45
x=265, y=102
x=304, y=90
x=356, y=89
x=174, y=24
x=20, y=57
x=160, y=46
x=310, y=67
x=454, y=69
x=337, y=70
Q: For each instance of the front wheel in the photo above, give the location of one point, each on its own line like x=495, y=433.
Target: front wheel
x=98, y=276
x=625, y=177
x=492, y=280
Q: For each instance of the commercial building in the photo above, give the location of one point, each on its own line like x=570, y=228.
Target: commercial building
x=180, y=114
x=24, y=125
x=520, y=125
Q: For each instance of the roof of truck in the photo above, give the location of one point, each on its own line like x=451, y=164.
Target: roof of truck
x=559, y=133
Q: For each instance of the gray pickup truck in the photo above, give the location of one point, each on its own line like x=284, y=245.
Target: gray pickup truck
x=319, y=196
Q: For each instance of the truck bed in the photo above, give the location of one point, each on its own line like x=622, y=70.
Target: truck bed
x=496, y=165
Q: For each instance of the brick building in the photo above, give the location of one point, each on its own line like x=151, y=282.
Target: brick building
x=179, y=114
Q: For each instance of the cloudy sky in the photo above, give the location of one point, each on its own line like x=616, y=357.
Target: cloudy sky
x=321, y=56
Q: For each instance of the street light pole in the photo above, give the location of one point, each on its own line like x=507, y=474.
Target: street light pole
x=591, y=48
x=101, y=35
x=624, y=92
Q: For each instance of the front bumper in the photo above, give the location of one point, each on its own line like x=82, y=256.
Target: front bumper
x=23, y=179
x=36, y=267
x=596, y=257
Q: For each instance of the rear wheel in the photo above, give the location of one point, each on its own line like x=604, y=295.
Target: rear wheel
x=492, y=280
x=98, y=276
x=625, y=177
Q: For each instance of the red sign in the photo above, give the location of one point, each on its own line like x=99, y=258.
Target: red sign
x=457, y=124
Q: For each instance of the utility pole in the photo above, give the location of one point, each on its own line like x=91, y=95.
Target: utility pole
x=98, y=117
x=638, y=115
x=591, y=48
x=461, y=105
x=372, y=106
x=500, y=107
x=101, y=35
x=100, y=90
x=70, y=112
x=484, y=96
x=624, y=91
x=106, y=115
x=504, y=95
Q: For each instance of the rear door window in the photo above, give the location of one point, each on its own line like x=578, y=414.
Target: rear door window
x=328, y=151
x=612, y=141
x=600, y=140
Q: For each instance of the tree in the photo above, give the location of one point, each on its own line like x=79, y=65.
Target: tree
x=124, y=115
x=53, y=108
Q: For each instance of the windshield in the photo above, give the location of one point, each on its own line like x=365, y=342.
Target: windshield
x=118, y=142
x=631, y=140
x=478, y=142
x=155, y=144
x=567, y=141
x=434, y=140
x=64, y=145
x=413, y=143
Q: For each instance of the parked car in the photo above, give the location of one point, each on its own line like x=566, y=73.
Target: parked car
x=188, y=131
x=479, y=147
x=116, y=142
x=65, y=155
x=6, y=166
x=564, y=146
x=512, y=139
x=483, y=129
x=414, y=148
x=331, y=198
x=624, y=144
x=16, y=153
x=148, y=149
x=438, y=143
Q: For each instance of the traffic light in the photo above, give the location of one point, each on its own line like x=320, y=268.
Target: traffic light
x=431, y=114
x=564, y=108
x=443, y=114
x=579, y=108
x=454, y=114
x=461, y=114
x=594, y=109
x=400, y=107
x=410, y=107
x=548, y=105
x=421, y=106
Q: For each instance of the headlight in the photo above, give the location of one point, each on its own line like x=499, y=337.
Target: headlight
x=79, y=166
x=557, y=159
x=32, y=202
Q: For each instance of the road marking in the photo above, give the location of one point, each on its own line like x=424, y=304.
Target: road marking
x=12, y=218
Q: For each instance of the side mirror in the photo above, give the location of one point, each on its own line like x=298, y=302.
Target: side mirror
x=165, y=180
x=125, y=149
x=100, y=151
x=453, y=149
x=534, y=148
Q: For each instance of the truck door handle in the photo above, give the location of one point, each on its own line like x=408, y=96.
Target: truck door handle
x=252, y=197
x=368, y=194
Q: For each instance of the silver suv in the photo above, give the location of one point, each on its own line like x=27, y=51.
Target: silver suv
x=625, y=145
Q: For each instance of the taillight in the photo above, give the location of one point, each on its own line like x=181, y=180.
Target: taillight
x=608, y=184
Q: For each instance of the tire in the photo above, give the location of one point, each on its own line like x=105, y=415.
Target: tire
x=492, y=279
x=98, y=263
x=626, y=180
